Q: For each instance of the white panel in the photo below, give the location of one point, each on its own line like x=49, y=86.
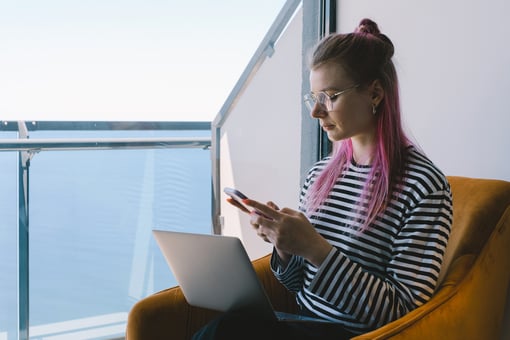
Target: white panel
x=261, y=139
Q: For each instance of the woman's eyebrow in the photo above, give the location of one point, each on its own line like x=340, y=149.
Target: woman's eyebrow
x=329, y=88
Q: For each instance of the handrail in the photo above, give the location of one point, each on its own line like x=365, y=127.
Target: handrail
x=59, y=144
x=105, y=125
x=265, y=49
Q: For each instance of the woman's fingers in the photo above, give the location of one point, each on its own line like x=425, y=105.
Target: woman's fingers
x=263, y=209
x=273, y=205
x=237, y=204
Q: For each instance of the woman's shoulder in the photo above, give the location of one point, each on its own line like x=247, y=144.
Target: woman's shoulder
x=319, y=165
x=315, y=170
x=421, y=171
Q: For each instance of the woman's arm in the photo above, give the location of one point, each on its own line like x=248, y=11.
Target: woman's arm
x=409, y=279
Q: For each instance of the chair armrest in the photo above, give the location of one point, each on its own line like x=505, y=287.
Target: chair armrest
x=165, y=315
x=471, y=301
x=448, y=289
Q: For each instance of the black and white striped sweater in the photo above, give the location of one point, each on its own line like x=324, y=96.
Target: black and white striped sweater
x=377, y=276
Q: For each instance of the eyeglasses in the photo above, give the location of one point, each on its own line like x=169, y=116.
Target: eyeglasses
x=324, y=100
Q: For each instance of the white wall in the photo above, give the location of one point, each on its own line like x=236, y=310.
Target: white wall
x=260, y=140
x=453, y=60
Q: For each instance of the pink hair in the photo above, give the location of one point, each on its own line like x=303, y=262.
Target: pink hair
x=366, y=56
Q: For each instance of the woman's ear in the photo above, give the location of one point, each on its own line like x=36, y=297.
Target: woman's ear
x=376, y=92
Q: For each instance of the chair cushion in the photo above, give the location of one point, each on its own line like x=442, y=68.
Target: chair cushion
x=483, y=203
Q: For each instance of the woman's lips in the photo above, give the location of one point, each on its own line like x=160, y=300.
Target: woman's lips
x=328, y=126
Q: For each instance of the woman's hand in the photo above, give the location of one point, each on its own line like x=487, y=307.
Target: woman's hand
x=237, y=205
x=289, y=231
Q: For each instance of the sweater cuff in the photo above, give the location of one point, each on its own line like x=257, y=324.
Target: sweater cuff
x=279, y=269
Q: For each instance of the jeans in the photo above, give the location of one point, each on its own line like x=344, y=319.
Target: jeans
x=247, y=326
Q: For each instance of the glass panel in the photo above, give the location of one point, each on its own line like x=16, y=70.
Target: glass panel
x=8, y=242
x=92, y=255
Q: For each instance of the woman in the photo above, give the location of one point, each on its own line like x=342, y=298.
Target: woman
x=368, y=242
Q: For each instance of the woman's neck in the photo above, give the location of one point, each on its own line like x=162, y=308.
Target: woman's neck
x=363, y=150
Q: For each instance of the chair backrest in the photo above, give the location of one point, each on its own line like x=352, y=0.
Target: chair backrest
x=478, y=204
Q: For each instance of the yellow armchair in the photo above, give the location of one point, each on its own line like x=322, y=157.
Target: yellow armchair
x=469, y=302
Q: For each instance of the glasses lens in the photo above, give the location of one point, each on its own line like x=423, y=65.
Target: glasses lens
x=320, y=98
x=309, y=101
x=323, y=101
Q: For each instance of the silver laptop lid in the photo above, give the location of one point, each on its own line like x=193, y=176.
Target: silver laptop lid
x=213, y=271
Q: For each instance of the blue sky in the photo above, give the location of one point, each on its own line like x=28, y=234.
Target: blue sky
x=125, y=60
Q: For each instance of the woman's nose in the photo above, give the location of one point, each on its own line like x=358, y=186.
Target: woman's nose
x=318, y=111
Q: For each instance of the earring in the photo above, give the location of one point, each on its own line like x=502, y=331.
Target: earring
x=374, y=109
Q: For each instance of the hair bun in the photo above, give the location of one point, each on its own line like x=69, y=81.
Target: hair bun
x=367, y=26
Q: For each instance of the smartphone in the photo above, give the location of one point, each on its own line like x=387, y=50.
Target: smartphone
x=238, y=197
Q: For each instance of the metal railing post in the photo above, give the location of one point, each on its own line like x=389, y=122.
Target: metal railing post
x=23, y=238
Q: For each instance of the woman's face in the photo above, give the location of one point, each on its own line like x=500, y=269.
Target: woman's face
x=351, y=112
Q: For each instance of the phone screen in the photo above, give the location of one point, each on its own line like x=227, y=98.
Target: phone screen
x=239, y=197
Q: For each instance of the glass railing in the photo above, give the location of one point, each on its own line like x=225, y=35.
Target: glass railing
x=95, y=193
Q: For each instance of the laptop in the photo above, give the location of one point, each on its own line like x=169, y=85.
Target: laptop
x=215, y=272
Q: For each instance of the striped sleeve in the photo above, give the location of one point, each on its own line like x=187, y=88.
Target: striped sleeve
x=374, y=299
x=291, y=275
